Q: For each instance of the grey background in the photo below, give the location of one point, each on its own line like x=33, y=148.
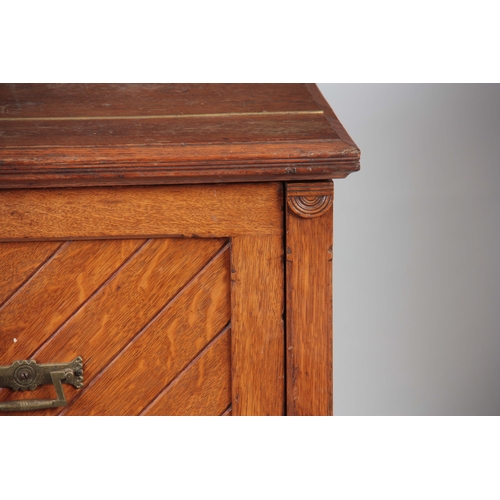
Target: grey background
x=417, y=250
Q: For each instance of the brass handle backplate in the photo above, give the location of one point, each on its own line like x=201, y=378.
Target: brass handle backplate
x=28, y=374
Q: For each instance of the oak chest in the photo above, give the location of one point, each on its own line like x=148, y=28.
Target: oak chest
x=167, y=249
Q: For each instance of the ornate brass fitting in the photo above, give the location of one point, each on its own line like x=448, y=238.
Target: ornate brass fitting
x=28, y=375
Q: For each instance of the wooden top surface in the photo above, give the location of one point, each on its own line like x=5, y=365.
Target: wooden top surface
x=116, y=134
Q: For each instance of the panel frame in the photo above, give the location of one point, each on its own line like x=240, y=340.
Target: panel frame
x=250, y=215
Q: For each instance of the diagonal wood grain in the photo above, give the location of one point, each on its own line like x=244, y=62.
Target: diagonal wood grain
x=204, y=388
x=56, y=291
x=18, y=261
x=175, y=336
x=106, y=324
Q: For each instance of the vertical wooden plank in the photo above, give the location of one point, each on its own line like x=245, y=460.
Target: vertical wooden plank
x=258, y=336
x=309, y=252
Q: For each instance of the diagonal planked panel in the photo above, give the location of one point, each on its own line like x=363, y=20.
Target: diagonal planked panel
x=56, y=291
x=18, y=261
x=204, y=388
x=53, y=294
x=151, y=361
x=108, y=322
x=141, y=309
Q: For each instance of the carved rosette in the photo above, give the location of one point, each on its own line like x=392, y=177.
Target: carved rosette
x=311, y=199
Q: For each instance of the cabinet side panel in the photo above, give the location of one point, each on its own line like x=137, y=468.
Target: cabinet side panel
x=258, y=341
x=309, y=251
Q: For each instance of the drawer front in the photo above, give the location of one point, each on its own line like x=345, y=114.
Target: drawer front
x=149, y=317
x=185, y=325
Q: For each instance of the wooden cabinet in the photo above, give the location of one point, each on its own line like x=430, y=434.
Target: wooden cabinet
x=177, y=238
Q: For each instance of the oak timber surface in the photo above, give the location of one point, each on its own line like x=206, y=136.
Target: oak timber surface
x=219, y=210
x=203, y=388
x=258, y=340
x=309, y=254
x=43, y=303
x=140, y=323
x=143, y=310
x=167, y=344
x=71, y=134
x=28, y=258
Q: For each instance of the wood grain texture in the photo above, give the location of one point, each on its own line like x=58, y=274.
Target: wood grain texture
x=70, y=135
x=164, y=347
x=215, y=211
x=166, y=131
x=329, y=114
x=59, y=100
x=309, y=253
x=18, y=261
x=258, y=331
x=130, y=317
x=204, y=388
x=56, y=291
x=100, y=329
x=309, y=200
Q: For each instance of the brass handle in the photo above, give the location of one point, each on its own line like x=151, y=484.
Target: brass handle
x=27, y=374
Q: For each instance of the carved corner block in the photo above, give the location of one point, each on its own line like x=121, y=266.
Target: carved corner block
x=310, y=199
